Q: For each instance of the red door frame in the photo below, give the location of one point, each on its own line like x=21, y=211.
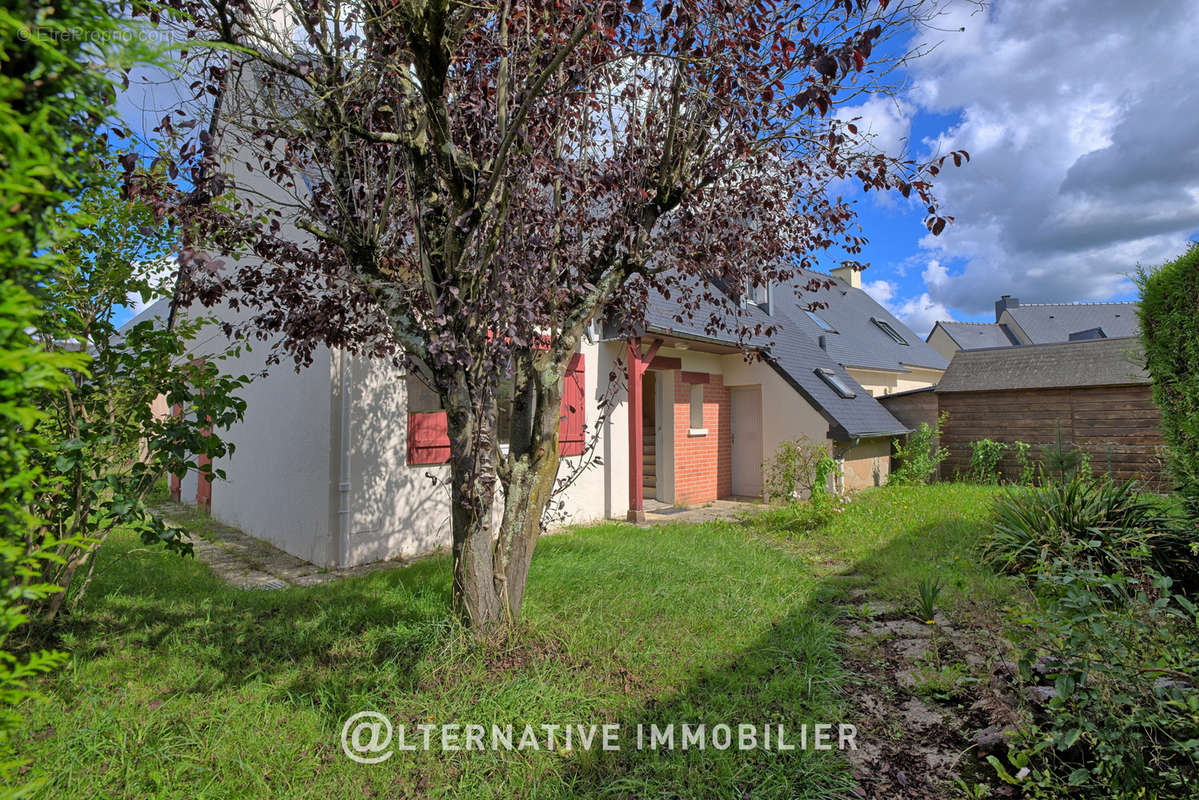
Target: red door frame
x=638, y=363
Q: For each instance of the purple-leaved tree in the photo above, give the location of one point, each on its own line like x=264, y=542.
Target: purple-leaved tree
x=469, y=185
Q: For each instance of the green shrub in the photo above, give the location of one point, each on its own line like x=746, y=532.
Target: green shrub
x=1122, y=654
x=1099, y=521
x=800, y=470
x=985, y=456
x=1026, y=466
x=1064, y=461
x=1170, y=332
x=918, y=455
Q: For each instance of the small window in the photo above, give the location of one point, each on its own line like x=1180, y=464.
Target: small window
x=886, y=328
x=421, y=399
x=758, y=295
x=697, y=406
x=819, y=320
x=835, y=383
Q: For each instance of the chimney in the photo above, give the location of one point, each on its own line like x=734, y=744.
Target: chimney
x=849, y=275
x=1004, y=303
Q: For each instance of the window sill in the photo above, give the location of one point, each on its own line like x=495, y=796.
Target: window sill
x=697, y=431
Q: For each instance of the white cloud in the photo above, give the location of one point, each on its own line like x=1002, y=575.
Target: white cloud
x=881, y=290
x=918, y=313
x=1080, y=119
x=884, y=122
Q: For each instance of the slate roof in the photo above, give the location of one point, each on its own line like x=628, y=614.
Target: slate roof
x=1095, y=362
x=975, y=335
x=795, y=357
x=857, y=341
x=1054, y=322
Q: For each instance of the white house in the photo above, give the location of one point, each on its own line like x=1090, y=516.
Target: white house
x=342, y=463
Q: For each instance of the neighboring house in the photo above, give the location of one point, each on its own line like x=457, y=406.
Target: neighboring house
x=1036, y=323
x=1096, y=391
x=343, y=463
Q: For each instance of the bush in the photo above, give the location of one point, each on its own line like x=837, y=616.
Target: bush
x=1028, y=468
x=918, y=455
x=800, y=470
x=1095, y=521
x=1170, y=332
x=985, y=456
x=1064, y=461
x=1122, y=654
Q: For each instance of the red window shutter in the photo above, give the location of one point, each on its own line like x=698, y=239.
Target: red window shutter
x=428, y=438
x=574, y=409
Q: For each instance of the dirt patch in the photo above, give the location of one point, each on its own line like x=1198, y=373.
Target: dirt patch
x=925, y=702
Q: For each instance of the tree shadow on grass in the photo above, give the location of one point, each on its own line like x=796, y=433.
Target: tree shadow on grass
x=337, y=636
x=345, y=646
x=792, y=676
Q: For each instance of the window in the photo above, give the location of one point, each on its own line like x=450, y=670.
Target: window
x=428, y=432
x=697, y=406
x=1089, y=333
x=836, y=383
x=819, y=320
x=886, y=328
x=758, y=295
x=421, y=399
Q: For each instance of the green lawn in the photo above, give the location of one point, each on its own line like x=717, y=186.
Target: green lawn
x=183, y=687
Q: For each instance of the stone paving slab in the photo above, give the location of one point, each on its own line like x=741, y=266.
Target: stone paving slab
x=248, y=563
x=713, y=511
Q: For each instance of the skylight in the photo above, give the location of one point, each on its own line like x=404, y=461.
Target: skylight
x=835, y=383
x=819, y=320
x=886, y=328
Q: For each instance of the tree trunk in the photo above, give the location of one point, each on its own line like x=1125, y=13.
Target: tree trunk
x=491, y=567
x=528, y=492
x=472, y=492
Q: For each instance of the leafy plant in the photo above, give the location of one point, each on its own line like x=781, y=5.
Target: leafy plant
x=1170, y=333
x=928, y=593
x=1123, y=656
x=1027, y=468
x=800, y=470
x=55, y=89
x=1063, y=460
x=918, y=455
x=1098, y=521
x=104, y=445
x=985, y=456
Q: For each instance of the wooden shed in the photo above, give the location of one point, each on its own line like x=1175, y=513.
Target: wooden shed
x=1096, y=390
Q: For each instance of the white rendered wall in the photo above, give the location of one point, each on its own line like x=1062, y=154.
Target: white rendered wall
x=277, y=484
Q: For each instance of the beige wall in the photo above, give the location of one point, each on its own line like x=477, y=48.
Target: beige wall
x=942, y=343
x=883, y=382
x=866, y=464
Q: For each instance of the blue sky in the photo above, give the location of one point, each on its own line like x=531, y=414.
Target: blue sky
x=1082, y=120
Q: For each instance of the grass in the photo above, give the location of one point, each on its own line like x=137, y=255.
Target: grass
x=183, y=687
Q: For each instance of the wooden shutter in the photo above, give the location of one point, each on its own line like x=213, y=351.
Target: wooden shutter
x=428, y=438
x=571, y=427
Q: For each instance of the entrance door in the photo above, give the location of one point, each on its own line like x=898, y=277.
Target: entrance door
x=747, y=440
x=649, y=434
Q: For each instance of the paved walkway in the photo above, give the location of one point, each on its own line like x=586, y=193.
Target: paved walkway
x=249, y=563
x=657, y=513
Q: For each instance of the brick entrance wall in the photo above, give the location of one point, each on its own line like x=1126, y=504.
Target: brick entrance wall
x=703, y=465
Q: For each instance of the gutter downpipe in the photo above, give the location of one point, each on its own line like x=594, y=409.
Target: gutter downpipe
x=343, y=466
